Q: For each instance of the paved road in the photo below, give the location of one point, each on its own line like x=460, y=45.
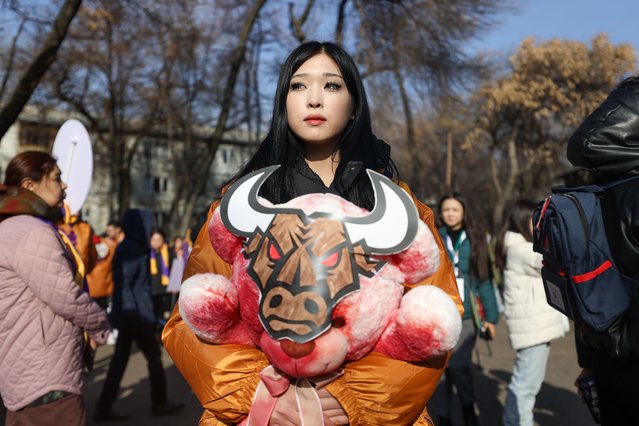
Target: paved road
x=557, y=405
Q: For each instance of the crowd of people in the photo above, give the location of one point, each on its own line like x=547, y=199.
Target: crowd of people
x=65, y=291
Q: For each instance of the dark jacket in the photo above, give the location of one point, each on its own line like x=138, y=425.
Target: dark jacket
x=484, y=290
x=607, y=144
x=132, y=303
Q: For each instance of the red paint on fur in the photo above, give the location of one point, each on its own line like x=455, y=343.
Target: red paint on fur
x=363, y=321
x=226, y=245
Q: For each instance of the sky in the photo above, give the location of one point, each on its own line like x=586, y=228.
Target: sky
x=577, y=20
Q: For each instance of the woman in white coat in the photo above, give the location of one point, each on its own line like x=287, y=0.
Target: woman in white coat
x=531, y=322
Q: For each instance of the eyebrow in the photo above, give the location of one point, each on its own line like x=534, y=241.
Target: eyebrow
x=326, y=74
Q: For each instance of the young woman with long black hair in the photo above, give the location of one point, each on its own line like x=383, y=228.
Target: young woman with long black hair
x=321, y=136
x=532, y=323
x=468, y=251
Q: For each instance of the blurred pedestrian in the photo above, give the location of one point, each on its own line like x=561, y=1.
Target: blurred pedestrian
x=468, y=251
x=132, y=314
x=532, y=323
x=81, y=236
x=181, y=251
x=607, y=144
x=160, y=271
x=43, y=307
x=100, y=279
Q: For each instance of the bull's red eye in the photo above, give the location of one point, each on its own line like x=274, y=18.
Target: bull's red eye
x=273, y=252
x=331, y=260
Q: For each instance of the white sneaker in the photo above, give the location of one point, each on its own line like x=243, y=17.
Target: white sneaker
x=113, y=337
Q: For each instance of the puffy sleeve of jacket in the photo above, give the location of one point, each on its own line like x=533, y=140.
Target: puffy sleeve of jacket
x=42, y=264
x=375, y=390
x=223, y=377
x=486, y=291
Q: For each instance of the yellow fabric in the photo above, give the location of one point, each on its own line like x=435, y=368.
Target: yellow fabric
x=84, y=245
x=188, y=238
x=375, y=390
x=164, y=252
x=77, y=258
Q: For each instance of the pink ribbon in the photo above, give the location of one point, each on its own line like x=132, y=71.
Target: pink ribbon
x=274, y=384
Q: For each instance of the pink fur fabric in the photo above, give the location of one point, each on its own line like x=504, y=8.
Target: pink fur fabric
x=380, y=316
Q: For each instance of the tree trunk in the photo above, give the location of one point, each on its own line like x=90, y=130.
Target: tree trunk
x=192, y=188
x=411, y=143
x=297, y=23
x=339, y=26
x=44, y=58
x=505, y=192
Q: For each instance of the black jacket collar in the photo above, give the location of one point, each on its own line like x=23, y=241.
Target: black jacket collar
x=308, y=182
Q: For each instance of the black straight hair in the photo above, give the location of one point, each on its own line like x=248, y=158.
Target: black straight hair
x=518, y=221
x=479, y=260
x=357, y=143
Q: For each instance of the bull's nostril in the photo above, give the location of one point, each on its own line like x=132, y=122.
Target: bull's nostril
x=338, y=322
x=275, y=301
x=311, y=306
x=297, y=350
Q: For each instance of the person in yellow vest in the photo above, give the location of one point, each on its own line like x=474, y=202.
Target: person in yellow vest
x=159, y=264
x=81, y=236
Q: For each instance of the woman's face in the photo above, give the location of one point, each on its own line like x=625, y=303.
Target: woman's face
x=50, y=188
x=157, y=240
x=452, y=213
x=318, y=103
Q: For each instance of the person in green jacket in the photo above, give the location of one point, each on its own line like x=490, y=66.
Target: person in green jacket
x=468, y=250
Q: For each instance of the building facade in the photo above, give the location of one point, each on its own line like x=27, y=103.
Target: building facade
x=153, y=183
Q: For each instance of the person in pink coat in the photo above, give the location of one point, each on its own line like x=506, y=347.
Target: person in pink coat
x=43, y=310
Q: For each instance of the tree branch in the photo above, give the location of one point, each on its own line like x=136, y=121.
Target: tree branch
x=297, y=23
x=38, y=67
x=339, y=27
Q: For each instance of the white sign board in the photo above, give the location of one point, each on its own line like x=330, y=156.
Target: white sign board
x=74, y=155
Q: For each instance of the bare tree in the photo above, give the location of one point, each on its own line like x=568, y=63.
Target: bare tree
x=192, y=188
x=38, y=66
x=524, y=116
x=418, y=47
x=105, y=78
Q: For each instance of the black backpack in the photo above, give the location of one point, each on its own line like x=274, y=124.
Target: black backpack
x=580, y=276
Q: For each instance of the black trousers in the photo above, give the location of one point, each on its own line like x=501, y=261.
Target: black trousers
x=459, y=374
x=144, y=337
x=618, y=390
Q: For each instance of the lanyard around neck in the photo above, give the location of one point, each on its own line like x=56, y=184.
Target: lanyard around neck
x=455, y=250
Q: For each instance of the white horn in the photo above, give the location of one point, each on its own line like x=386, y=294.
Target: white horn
x=392, y=224
x=241, y=213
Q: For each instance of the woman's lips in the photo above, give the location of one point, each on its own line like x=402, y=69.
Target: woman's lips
x=315, y=120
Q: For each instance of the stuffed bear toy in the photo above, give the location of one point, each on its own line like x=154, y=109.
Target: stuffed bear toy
x=310, y=292
x=319, y=281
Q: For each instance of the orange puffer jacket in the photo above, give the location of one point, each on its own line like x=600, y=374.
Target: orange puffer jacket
x=374, y=390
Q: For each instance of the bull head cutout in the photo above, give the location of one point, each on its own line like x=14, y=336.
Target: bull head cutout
x=304, y=264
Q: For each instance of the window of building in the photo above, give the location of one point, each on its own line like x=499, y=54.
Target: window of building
x=156, y=184
x=40, y=135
